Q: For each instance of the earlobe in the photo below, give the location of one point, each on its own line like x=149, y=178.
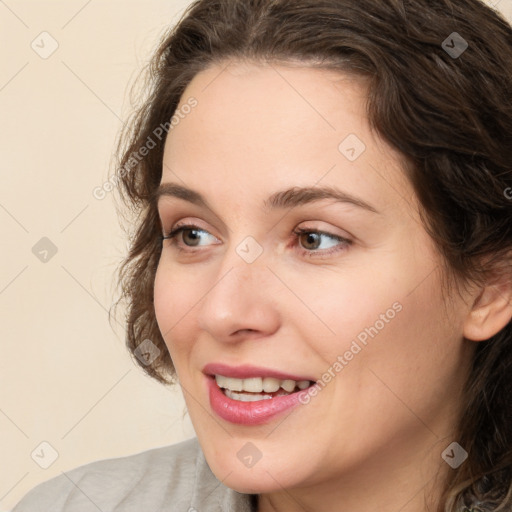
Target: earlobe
x=491, y=312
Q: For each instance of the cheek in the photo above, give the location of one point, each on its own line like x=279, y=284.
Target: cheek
x=164, y=299
x=175, y=294
x=380, y=319
x=346, y=306
x=410, y=359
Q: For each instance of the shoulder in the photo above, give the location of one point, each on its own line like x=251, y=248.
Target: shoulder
x=174, y=477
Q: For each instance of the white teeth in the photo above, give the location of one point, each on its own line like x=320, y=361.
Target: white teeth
x=288, y=385
x=255, y=384
x=234, y=384
x=228, y=383
x=243, y=397
x=259, y=384
x=270, y=385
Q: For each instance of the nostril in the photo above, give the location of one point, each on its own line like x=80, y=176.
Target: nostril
x=243, y=331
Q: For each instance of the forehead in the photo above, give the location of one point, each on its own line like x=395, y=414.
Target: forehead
x=289, y=124
x=279, y=96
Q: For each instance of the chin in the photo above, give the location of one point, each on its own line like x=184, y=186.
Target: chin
x=263, y=477
x=252, y=482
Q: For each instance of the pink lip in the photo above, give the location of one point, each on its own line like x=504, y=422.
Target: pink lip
x=249, y=413
x=248, y=371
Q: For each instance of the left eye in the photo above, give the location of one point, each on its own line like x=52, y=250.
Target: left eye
x=191, y=237
x=311, y=237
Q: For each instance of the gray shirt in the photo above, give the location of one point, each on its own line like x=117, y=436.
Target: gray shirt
x=169, y=479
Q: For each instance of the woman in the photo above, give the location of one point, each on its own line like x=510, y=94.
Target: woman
x=322, y=260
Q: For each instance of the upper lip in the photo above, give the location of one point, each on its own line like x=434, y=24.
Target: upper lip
x=248, y=371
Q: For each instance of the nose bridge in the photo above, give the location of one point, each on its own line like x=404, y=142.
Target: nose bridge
x=238, y=298
x=244, y=263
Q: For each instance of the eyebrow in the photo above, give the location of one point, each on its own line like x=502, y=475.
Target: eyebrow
x=290, y=198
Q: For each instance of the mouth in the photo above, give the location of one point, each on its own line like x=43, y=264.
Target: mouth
x=258, y=388
x=247, y=395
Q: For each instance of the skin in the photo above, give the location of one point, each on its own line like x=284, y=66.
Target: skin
x=382, y=422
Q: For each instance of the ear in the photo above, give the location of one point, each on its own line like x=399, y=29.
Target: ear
x=491, y=311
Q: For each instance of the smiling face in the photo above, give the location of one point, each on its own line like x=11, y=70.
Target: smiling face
x=354, y=303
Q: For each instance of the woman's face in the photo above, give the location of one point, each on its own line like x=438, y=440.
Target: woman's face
x=241, y=295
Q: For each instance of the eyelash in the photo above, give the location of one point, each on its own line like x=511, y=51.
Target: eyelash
x=344, y=242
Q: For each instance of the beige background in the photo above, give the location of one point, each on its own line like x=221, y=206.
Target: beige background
x=66, y=378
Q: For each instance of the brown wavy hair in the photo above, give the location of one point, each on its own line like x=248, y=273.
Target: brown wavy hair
x=450, y=117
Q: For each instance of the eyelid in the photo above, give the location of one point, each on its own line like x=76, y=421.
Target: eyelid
x=168, y=210
x=193, y=224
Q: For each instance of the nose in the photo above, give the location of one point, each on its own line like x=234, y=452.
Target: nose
x=240, y=302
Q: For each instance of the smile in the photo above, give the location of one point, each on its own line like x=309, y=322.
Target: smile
x=247, y=395
x=258, y=388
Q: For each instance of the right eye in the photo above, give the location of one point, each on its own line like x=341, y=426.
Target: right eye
x=190, y=232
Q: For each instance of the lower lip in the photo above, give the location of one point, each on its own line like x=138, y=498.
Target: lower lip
x=249, y=413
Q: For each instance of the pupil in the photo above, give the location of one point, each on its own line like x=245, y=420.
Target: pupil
x=311, y=238
x=194, y=236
